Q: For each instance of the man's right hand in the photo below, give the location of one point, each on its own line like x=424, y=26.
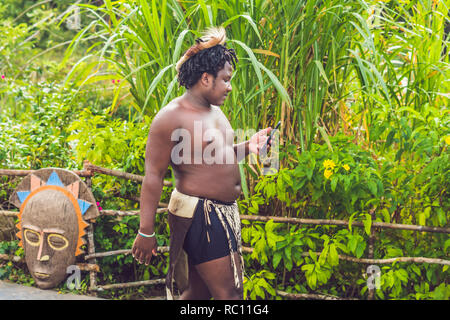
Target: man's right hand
x=143, y=249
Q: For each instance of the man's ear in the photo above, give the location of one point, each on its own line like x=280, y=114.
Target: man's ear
x=206, y=79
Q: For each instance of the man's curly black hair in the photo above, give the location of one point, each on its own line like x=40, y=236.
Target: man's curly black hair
x=210, y=60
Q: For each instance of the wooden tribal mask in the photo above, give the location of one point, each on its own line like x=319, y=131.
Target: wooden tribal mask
x=54, y=207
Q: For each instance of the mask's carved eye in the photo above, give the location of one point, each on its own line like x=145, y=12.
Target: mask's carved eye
x=32, y=237
x=57, y=241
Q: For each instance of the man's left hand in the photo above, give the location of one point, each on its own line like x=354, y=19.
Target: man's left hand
x=258, y=140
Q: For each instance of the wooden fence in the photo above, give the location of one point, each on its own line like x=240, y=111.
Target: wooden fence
x=89, y=170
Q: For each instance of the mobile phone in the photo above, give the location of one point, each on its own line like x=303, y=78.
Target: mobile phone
x=271, y=135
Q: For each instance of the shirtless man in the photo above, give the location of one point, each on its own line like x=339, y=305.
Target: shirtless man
x=203, y=216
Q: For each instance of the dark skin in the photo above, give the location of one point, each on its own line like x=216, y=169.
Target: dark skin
x=220, y=181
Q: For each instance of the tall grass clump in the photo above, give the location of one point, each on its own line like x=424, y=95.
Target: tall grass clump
x=294, y=56
x=319, y=67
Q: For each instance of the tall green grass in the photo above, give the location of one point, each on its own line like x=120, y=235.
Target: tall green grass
x=318, y=66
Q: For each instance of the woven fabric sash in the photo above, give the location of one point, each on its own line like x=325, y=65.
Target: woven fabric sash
x=228, y=214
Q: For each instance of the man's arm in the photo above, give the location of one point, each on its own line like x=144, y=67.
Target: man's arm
x=150, y=195
x=157, y=159
x=253, y=145
x=241, y=150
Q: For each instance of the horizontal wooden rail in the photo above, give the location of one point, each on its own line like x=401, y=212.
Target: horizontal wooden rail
x=397, y=259
x=23, y=173
x=102, y=212
x=304, y=254
x=81, y=266
x=376, y=261
x=88, y=171
x=397, y=226
x=313, y=296
x=8, y=213
x=88, y=267
x=13, y=258
x=129, y=284
x=127, y=213
x=117, y=252
x=87, y=166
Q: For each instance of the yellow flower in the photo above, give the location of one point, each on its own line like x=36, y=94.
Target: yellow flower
x=329, y=164
x=447, y=140
x=327, y=173
x=346, y=167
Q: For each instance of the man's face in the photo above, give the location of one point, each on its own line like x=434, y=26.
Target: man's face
x=221, y=85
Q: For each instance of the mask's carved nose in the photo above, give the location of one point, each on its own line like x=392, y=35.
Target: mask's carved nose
x=44, y=258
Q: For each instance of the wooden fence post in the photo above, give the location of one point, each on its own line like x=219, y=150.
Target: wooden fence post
x=91, y=247
x=371, y=292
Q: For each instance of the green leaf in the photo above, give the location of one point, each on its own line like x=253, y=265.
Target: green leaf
x=269, y=226
x=312, y=280
x=386, y=215
x=154, y=84
x=322, y=73
x=321, y=276
x=347, y=183
x=272, y=240
x=255, y=63
x=334, y=181
x=421, y=218
x=446, y=244
x=313, y=255
x=288, y=264
x=178, y=45
x=441, y=216
x=372, y=185
x=146, y=275
x=249, y=19
x=325, y=137
x=390, y=138
x=323, y=255
x=367, y=223
x=350, y=221
x=360, y=249
x=333, y=257
x=287, y=252
x=415, y=269
x=276, y=259
x=259, y=292
x=307, y=267
x=269, y=275
x=281, y=90
x=352, y=243
x=309, y=173
x=402, y=275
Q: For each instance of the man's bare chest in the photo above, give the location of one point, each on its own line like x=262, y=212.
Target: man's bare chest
x=204, y=139
x=207, y=128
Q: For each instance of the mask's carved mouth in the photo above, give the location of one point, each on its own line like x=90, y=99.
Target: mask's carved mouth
x=42, y=276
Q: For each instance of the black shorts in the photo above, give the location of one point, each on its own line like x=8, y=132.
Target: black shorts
x=196, y=243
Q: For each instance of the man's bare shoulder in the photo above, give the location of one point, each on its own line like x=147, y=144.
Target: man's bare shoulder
x=218, y=110
x=177, y=109
x=169, y=116
x=220, y=113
